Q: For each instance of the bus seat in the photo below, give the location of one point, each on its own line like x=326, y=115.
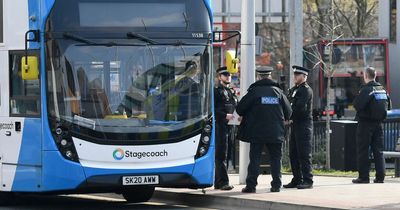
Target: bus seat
x=100, y=102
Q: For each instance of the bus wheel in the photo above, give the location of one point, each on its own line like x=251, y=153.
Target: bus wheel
x=138, y=194
x=6, y=198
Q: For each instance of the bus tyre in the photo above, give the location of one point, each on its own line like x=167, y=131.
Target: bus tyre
x=6, y=198
x=138, y=194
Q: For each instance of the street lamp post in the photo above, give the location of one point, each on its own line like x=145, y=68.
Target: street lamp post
x=247, y=74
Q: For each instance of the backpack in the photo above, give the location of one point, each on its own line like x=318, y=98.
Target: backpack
x=379, y=104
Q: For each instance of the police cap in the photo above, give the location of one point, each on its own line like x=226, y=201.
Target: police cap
x=300, y=70
x=264, y=69
x=222, y=69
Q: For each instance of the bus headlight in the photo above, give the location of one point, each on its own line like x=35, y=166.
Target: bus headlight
x=68, y=154
x=58, y=131
x=207, y=128
x=204, y=144
x=202, y=151
x=64, y=142
x=206, y=139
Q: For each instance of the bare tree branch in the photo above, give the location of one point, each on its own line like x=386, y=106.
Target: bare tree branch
x=347, y=19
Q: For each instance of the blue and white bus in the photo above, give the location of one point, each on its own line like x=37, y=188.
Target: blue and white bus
x=105, y=96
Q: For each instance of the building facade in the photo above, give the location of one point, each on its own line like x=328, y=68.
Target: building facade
x=388, y=27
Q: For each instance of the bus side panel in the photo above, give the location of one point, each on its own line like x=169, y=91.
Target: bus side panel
x=203, y=171
x=31, y=146
x=20, y=154
x=60, y=174
x=7, y=176
x=10, y=140
x=48, y=143
x=28, y=171
x=27, y=179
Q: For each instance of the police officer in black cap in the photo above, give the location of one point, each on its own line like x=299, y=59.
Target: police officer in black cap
x=264, y=108
x=371, y=104
x=224, y=103
x=301, y=97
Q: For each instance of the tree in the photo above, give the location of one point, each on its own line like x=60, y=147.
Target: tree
x=330, y=31
x=359, y=18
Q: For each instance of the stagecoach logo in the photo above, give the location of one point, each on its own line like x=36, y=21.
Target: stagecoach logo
x=6, y=126
x=118, y=154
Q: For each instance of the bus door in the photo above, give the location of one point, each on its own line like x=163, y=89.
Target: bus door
x=20, y=127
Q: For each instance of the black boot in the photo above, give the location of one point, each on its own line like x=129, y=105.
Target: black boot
x=291, y=185
x=305, y=185
x=248, y=190
x=360, y=181
x=226, y=187
x=378, y=181
x=275, y=189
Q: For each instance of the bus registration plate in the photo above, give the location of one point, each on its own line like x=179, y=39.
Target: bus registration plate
x=140, y=180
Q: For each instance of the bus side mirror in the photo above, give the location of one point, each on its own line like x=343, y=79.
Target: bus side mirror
x=30, y=67
x=29, y=64
x=231, y=62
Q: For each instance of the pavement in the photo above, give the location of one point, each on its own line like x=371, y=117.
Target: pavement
x=327, y=193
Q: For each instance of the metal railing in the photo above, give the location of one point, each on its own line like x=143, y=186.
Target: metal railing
x=318, y=144
x=391, y=129
x=391, y=133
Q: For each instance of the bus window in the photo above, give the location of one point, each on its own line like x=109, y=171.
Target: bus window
x=24, y=94
x=1, y=21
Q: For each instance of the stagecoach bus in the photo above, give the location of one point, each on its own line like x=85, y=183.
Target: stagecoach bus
x=105, y=96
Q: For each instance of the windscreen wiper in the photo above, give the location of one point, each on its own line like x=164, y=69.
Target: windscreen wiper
x=89, y=42
x=140, y=37
x=78, y=38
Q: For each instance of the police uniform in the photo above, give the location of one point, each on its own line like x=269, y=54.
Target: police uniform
x=225, y=103
x=370, y=132
x=264, y=109
x=300, y=97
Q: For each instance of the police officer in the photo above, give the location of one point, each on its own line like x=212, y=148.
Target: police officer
x=225, y=104
x=371, y=105
x=300, y=97
x=264, y=109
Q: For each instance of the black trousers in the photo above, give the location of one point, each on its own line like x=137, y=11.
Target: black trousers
x=275, y=153
x=370, y=134
x=221, y=148
x=300, y=151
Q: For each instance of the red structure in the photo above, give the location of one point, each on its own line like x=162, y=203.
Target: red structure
x=350, y=58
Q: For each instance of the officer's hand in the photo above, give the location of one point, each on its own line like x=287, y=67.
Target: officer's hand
x=240, y=118
x=229, y=116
